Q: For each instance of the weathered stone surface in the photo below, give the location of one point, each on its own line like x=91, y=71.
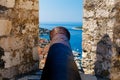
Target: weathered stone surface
x=11, y=59
x=29, y=5
x=118, y=42
x=101, y=57
x=5, y=27
x=25, y=68
x=88, y=13
x=9, y=72
x=87, y=77
x=88, y=23
x=35, y=54
x=102, y=13
x=7, y=3
x=10, y=3
x=115, y=76
x=110, y=3
x=12, y=43
x=18, y=36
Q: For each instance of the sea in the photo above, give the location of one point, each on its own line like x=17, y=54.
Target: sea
x=76, y=34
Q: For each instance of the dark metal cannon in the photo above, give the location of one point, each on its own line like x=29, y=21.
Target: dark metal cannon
x=60, y=64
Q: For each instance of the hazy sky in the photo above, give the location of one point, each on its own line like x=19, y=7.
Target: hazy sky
x=61, y=10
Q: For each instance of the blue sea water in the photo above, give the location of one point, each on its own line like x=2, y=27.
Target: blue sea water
x=76, y=35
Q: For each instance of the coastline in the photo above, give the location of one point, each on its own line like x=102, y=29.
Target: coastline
x=43, y=31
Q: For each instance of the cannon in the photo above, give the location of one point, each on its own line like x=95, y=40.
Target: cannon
x=60, y=64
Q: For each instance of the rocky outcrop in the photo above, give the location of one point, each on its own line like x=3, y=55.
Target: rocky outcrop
x=43, y=31
x=18, y=37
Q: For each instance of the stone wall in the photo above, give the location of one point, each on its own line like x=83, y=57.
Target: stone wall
x=101, y=38
x=115, y=71
x=18, y=37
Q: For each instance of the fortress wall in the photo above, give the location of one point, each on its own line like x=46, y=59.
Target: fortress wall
x=18, y=37
x=101, y=38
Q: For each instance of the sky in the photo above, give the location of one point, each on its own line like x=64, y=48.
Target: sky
x=60, y=11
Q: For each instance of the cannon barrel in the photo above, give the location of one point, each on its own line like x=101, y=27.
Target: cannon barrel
x=60, y=64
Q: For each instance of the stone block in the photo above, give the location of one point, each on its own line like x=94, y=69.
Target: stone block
x=11, y=43
x=102, y=13
x=115, y=75
x=30, y=28
x=23, y=68
x=10, y=3
x=35, y=13
x=11, y=59
x=29, y=5
x=35, y=5
x=2, y=2
x=90, y=24
x=118, y=42
x=9, y=72
x=35, y=53
x=26, y=5
x=111, y=23
x=110, y=3
x=94, y=48
x=88, y=13
x=7, y=3
x=87, y=77
x=84, y=55
x=5, y=27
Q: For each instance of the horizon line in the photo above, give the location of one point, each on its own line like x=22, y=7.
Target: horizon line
x=60, y=22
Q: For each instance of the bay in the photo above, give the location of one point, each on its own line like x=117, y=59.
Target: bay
x=76, y=35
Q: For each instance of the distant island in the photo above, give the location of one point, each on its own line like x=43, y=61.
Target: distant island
x=77, y=28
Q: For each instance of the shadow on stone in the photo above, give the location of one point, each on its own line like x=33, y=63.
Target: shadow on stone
x=1, y=61
x=3, y=8
x=103, y=58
